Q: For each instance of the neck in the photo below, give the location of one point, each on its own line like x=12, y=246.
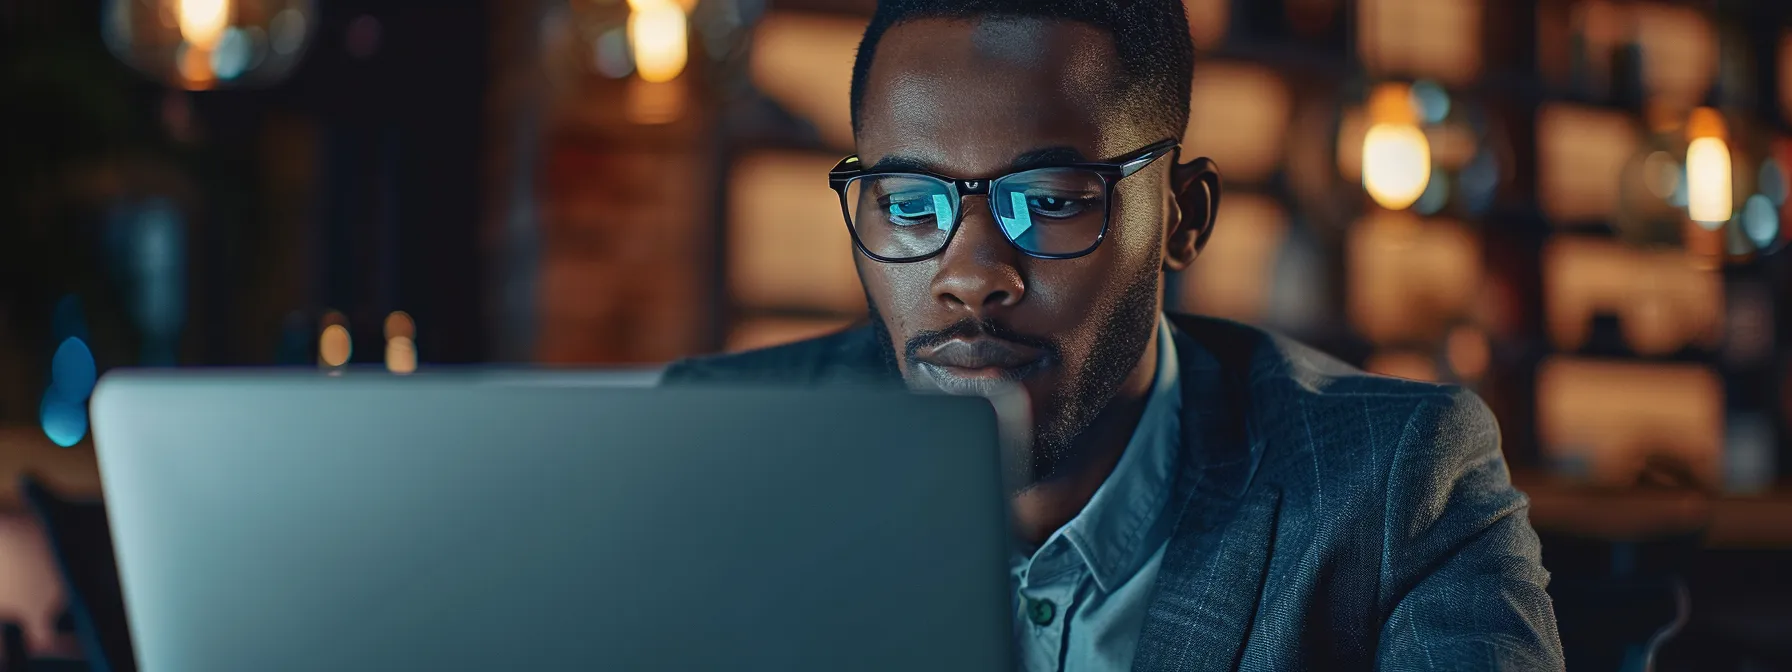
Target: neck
x=1046, y=506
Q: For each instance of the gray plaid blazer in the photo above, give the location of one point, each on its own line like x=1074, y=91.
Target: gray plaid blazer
x=1329, y=519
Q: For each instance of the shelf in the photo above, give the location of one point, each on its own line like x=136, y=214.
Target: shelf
x=1728, y=521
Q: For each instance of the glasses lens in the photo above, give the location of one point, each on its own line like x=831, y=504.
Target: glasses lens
x=1051, y=210
x=901, y=216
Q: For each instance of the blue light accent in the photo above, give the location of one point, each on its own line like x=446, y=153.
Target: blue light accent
x=1430, y=101
x=72, y=371
x=232, y=56
x=942, y=212
x=1023, y=218
x=64, y=421
x=1761, y=221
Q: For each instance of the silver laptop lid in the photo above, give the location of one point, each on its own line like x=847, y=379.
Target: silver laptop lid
x=299, y=522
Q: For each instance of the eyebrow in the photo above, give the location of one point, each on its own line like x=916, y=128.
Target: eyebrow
x=1044, y=157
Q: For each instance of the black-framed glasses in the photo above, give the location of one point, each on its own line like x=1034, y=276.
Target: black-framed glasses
x=1056, y=212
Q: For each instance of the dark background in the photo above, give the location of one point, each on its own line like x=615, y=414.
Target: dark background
x=483, y=168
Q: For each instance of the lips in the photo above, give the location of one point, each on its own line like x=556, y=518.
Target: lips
x=981, y=353
x=978, y=366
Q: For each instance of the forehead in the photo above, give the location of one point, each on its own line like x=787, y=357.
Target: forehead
x=968, y=96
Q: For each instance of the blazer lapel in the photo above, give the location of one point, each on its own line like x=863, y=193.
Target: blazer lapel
x=1213, y=569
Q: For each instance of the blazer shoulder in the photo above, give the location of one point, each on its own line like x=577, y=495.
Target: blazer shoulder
x=806, y=361
x=1301, y=399
x=1272, y=363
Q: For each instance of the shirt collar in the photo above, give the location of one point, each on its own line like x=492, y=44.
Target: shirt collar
x=1120, y=528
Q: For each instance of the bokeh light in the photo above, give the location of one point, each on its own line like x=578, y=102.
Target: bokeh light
x=401, y=355
x=1396, y=164
x=1430, y=101
x=233, y=55
x=63, y=421
x=63, y=413
x=401, y=346
x=400, y=325
x=611, y=54
x=202, y=22
x=199, y=44
x=1760, y=221
x=72, y=371
x=334, y=347
x=657, y=31
x=1708, y=198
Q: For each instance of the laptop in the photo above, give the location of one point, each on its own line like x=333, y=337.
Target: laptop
x=367, y=522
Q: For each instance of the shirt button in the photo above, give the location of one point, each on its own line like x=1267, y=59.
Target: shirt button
x=1041, y=611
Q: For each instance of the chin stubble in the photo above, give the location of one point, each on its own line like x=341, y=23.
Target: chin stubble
x=1124, y=332
x=1121, y=339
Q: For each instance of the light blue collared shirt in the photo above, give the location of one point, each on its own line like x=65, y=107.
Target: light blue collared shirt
x=1080, y=599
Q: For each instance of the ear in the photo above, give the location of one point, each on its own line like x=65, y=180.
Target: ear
x=1196, y=186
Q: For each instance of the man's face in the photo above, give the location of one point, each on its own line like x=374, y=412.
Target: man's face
x=971, y=99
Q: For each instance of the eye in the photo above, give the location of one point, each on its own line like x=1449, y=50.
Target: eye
x=911, y=209
x=1057, y=206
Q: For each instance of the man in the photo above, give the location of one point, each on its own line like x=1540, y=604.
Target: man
x=1198, y=494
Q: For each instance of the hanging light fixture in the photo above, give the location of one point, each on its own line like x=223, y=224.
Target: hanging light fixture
x=206, y=44
x=401, y=344
x=334, y=345
x=656, y=29
x=647, y=46
x=1396, y=154
x=1708, y=184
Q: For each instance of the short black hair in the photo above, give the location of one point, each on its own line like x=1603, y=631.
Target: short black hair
x=1157, y=55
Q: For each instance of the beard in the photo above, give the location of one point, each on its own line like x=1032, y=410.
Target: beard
x=1114, y=349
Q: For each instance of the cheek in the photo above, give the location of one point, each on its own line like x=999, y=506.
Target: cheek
x=898, y=290
x=1081, y=288
x=1136, y=224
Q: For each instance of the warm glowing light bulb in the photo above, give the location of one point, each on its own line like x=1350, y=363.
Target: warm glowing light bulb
x=657, y=31
x=202, y=22
x=334, y=347
x=401, y=355
x=400, y=325
x=1708, y=190
x=1396, y=164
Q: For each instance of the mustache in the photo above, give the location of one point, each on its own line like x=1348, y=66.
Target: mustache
x=969, y=329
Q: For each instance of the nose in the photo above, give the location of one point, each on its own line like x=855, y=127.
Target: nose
x=978, y=273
